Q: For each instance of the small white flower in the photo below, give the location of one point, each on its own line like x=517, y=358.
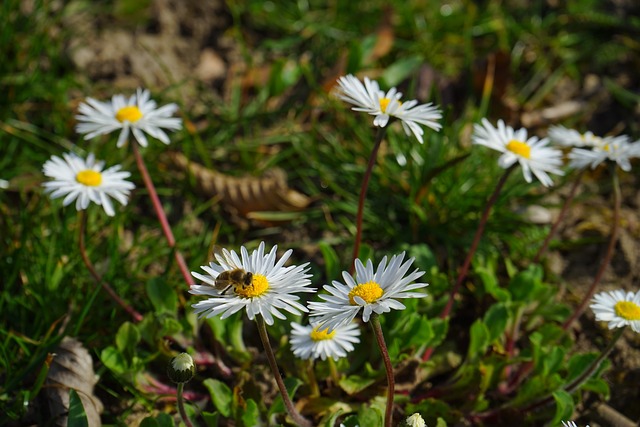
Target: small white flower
x=370, y=99
x=618, y=308
x=138, y=114
x=4, y=184
x=271, y=289
x=618, y=149
x=532, y=154
x=373, y=292
x=84, y=181
x=311, y=342
x=572, y=138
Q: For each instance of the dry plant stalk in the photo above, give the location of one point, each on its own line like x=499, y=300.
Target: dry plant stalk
x=244, y=195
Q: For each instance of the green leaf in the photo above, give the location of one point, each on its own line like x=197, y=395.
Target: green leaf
x=164, y=420
x=598, y=385
x=127, y=338
x=221, y=395
x=425, y=258
x=441, y=423
x=149, y=422
x=354, y=383
x=526, y=284
x=370, y=416
x=291, y=384
x=77, y=415
x=578, y=364
x=251, y=414
x=479, y=339
x=496, y=319
x=400, y=70
x=331, y=261
x=354, y=421
x=211, y=419
x=553, y=360
x=490, y=283
x=564, y=407
x=162, y=296
x=114, y=360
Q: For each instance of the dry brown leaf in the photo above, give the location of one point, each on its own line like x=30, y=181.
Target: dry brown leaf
x=72, y=368
x=244, y=195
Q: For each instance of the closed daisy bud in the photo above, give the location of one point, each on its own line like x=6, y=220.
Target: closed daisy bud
x=181, y=368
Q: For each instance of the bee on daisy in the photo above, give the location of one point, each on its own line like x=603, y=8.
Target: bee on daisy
x=271, y=286
x=533, y=154
x=369, y=98
x=85, y=181
x=137, y=115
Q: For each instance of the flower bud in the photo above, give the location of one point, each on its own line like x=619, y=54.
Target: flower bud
x=415, y=420
x=181, y=368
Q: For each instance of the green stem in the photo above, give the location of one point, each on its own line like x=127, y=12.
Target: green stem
x=377, y=330
x=264, y=336
x=335, y=375
x=181, y=409
x=363, y=194
x=311, y=376
x=137, y=317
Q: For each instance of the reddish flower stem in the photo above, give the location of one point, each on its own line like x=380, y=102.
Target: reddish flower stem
x=527, y=367
x=388, y=367
x=183, y=412
x=137, y=317
x=615, y=226
x=561, y=215
x=464, y=270
x=363, y=194
x=291, y=409
x=162, y=217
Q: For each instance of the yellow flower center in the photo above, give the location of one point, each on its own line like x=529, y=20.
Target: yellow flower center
x=324, y=334
x=370, y=292
x=520, y=148
x=384, y=103
x=130, y=114
x=89, y=177
x=627, y=310
x=259, y=285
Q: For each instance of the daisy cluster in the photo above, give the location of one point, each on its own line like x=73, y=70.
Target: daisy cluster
x=84, y=180
x=589, y=150
x=273, y=288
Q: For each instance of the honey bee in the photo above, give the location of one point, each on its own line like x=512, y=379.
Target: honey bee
x=236, y=278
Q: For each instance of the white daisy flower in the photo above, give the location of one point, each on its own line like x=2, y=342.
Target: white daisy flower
x=415, y=420
x=571, y=424
x=370, y=99
x=311, y=342
x=533, y=154
x=572, y=138
x=373, y=292
x=618, y=149
x=270, y=290
x=84, y=181
x=618, y=308
x=138, y=114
